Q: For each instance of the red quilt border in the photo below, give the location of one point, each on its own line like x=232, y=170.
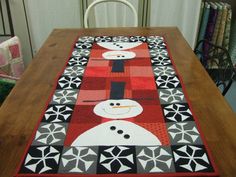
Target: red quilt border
x=179, y=174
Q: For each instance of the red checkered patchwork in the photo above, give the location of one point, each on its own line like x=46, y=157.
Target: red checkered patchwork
x=139, y=86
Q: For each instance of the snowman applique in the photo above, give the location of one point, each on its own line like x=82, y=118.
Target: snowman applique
x=117, y=131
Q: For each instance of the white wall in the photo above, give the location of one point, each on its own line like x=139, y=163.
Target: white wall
x=181, y=13
x=20, y=28
x=45, y=15
x=5, y=18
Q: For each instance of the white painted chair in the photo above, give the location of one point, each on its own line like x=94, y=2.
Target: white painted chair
x=104, y=1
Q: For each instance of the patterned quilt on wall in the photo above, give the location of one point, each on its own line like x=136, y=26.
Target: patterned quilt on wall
x=118, y=107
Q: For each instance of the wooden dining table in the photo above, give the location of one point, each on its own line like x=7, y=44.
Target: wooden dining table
x=21, y=110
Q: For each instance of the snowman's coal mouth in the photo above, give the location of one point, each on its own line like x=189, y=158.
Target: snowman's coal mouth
x=128, y=111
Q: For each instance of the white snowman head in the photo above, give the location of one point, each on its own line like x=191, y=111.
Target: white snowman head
x=118, y=109
x=119, y=45
x=118, y=55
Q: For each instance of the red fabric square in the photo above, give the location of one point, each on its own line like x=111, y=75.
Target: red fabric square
x=74, y=130
x=86, y=96
x=15, y=51
x=98, y=63
x=140, y=62
x=128, y=94
x=145, y=94
x=141, y=52
x=97, y=47
x=141, y=71
x=96, y=54
x=85, y=114
x=159, y=130
x=141, y=83
x=150, y=114
x=97, y=71
x=146, y=97
x=92, y=83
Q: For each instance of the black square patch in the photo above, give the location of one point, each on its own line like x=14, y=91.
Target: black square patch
x=116, y=159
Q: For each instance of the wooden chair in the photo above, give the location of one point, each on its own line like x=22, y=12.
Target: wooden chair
x=104, y=1
x=217, y=62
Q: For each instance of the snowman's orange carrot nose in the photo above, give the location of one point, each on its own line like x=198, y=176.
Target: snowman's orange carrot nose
x=124, y=106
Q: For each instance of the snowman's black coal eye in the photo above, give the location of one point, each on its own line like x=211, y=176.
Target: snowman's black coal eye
x=117, y=104
x=112, y=127
x=123, y=56
x=111, y=104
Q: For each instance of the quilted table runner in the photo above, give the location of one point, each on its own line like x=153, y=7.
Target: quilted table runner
x=118, y=109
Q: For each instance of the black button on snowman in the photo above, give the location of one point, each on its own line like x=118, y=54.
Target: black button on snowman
x=119, y=132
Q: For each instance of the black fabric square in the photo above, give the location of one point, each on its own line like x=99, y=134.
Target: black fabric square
x=103, y=39
x=58, y=113
x=167, y=81
x=83, y=45
x=177, y=112
x=118, y=66
x=160, y=60
x=117, y=90
x=189, y=158
x=78, y=61
x=116, y=159
x=137, y=39
x=68, y=82
x=42, y=159
x=157, y=45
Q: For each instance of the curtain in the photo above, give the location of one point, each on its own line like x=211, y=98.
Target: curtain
x=181, y=13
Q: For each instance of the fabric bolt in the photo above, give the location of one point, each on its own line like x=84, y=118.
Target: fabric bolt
x=211, y=21
x=200, y=16
x=221, y=32
x=218, y=22
x=210, y=26
x=232, y=48
x=227, y=27
x=203, y=26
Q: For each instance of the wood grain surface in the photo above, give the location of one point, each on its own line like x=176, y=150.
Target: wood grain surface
x=21, y=111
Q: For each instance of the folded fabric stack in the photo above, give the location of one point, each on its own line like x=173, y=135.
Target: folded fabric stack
x=11, y=65
x=215, y=25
